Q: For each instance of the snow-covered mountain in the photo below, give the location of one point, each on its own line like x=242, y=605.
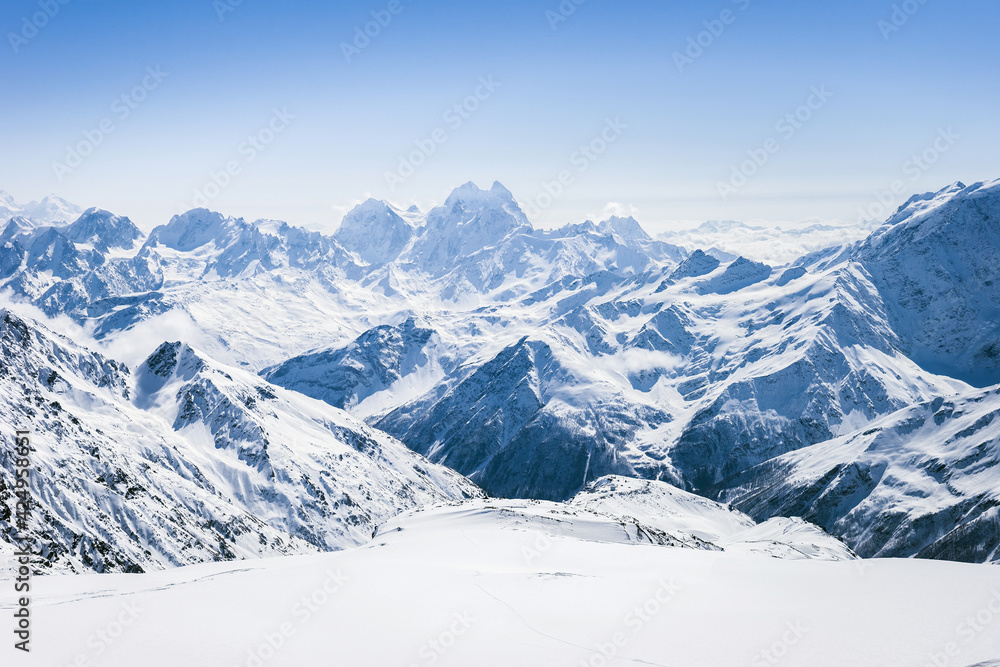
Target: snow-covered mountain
x=69, y=268
x=375, y=362
x=696, y=522
x=51, y=210
x=935, y=264
x=376, y=232
x=186, y=460
x=537, y=361
x=921, y=481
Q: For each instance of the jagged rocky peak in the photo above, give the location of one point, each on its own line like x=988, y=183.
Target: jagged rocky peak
x=16, y=226
x=169, y=360
x=164, y=361
x=470, y=219
x=103, y=230
x=346, y=376
x=698, y=263
x=741, y=273
x=585, y=227
x=472, y=197
x=193, y=229
x=497, y=203
x=935, y=265
x=375, y=231
x=627, y=228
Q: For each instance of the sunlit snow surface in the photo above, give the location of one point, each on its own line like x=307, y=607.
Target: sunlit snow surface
x=522, y=583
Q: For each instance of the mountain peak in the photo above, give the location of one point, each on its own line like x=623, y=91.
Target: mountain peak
x=53, y=209
x=375, y=231
x=627, y=228
x=8, y=202
x=103, y=229
x=471, y=196
x=192, y=229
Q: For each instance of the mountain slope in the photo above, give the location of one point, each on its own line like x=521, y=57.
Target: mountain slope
x=935, y=263
x=189, y=461
x=348, y=376
x=527, y=423
x=922, y=481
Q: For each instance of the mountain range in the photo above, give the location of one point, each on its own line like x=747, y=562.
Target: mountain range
x=853, y=386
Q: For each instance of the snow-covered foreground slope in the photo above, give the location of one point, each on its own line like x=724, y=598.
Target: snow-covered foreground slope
x=186, y=460
x=522, y=583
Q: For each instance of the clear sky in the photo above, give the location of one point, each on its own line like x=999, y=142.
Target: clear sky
x=673, y=130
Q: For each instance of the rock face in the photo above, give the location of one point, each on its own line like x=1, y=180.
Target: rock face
x=345, y=377
x=919, y=482
x=375, y=232
x=515, y=426
x=187, y=461
x=935, y=264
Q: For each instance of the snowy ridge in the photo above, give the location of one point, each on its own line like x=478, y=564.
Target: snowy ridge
x=692, y=518
x=922, y=481
x=246, y=469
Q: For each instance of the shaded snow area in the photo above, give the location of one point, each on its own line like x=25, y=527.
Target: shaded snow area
x=533, y=583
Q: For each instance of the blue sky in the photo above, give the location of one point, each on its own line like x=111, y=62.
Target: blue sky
x=344, y=123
